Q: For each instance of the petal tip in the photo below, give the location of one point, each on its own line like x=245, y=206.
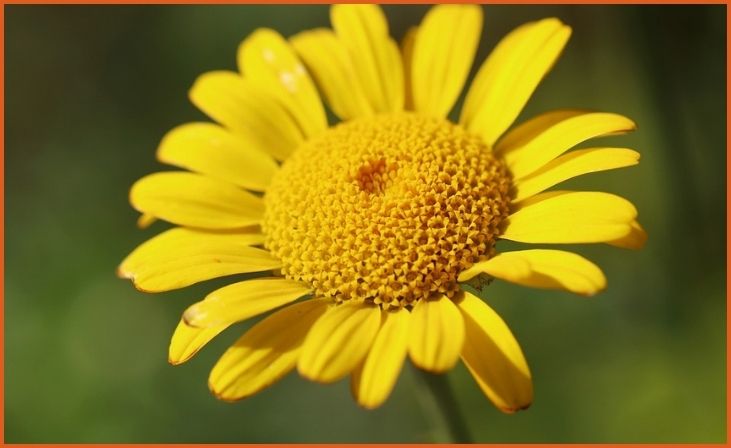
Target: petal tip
x=220, y=394
x=259, y=32
x=145, y=221
x=369, y=406
x=132, y=277
x=592, y=292
x=315, y=377
x=123, y=273
x=435, y=370
x=635, y=239
x=181, y=358
x=140, y=288
x=513, y=410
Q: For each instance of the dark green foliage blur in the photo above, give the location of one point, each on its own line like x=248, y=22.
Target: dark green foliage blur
x=91, y=90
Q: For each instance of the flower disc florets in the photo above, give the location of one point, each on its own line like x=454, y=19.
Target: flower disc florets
x=387, y=209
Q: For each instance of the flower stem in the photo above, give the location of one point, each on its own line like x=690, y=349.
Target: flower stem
x=442, y=406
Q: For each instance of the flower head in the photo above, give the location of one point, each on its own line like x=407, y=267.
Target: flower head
x=376, y=222
x=386, y=209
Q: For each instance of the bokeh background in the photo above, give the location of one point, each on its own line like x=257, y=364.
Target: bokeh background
x=90, y=90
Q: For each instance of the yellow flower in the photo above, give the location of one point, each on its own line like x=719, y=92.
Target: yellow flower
x=380, y=220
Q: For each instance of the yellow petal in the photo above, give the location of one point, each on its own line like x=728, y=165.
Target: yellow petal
x=363, y=30
x=373, y=382
x=572, y=164
x=209, y=149
x=437, y=334
x=509, y=76
x=145, y=221
x=187, y=341
x=180, y=257
x=268, y=61
x=329, y=61
x=248, y=110
x=240, y=301
x=193, y=200
x=526, y=131
x=494, y=357
x=339, y=341
x=550, y=142
x=635, y=238
x=570, y=217
x=265, y=353
x=444, y=49
x=541, y=268
x=407, y=51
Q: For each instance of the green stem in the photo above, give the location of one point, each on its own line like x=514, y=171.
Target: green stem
x=443, y=407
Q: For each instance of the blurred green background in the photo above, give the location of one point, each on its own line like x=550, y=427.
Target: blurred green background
x=90, y=90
